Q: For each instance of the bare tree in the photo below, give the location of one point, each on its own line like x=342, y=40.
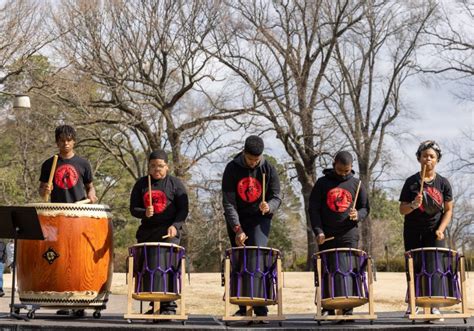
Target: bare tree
x=371, y=63
x=449, y=50
x=143, y=69
x=280, y=50
x=460, y=229
x=22, y=36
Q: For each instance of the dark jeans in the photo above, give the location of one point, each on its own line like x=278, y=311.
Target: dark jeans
x=418, y=238
x=257, y=230
x=349, y=239
x=157, y=236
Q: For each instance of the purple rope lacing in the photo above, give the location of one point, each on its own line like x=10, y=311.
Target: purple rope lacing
x=449, y=274
x=173, y=267
x=359, y=276
x=269, y=275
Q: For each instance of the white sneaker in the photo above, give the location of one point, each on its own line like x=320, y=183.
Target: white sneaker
x=435, y=311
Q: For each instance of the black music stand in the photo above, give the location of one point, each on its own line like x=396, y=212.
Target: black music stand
x=19, y=222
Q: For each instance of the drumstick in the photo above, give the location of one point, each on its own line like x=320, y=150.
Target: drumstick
x=166, y=236
x=51, y=175
x=263, y=189
x=327, y=239
x=82, y=202
x=149, y=191
x=356, y=195
x=422, y=178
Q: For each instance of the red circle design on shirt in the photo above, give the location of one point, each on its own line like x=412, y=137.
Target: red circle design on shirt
x=66, y=176
x=249, y=189
x=338, y=200
x=435, y=194
x=159, y=200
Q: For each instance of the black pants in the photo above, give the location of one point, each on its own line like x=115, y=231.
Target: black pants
x=257, y=230
x=349, y=239
x=418, y=238
x=156, y=235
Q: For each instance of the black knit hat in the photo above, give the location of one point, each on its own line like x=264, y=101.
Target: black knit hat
x=254, y=145
x=158, y=154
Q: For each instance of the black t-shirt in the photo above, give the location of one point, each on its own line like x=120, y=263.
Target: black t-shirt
x=330, y=202
x=170, y=204
x=69, y=178
x=435, y=194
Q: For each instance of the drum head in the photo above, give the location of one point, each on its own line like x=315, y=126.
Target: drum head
x=436, y=301
x=251, y=248
x=156, y=296
x=156, y=244
x=343, y=302
x=246, y=301
x=430, y=250
x=355, y=251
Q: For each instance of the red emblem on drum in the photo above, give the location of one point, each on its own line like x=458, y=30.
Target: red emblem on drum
x=159, y=200
x=66, y=176
x=339, y=199
x=249, y=189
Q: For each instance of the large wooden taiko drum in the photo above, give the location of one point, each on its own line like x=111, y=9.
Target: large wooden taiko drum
x=73, y=266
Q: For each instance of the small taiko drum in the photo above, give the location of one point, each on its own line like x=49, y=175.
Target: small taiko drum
x=343, y=278
x=436, y=276
x=157, y=271
x=73, y=266
x=253, y=276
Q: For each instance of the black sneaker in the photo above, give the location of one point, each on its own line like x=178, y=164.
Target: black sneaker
x=1, y=292
x=348, y=312
x=239, y=313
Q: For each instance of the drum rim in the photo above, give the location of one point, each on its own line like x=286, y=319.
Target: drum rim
x=431, y=249
x=253, y=247
x=341, y=249
x=156, y=244
x=68, y=206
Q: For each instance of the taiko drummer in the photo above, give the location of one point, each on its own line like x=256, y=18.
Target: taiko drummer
x=250, y=197
x=161, y=202
x=66, y=177
x=338, y=202
x=426, y=201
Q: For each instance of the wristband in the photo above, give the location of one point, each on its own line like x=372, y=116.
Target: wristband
x=236, y=229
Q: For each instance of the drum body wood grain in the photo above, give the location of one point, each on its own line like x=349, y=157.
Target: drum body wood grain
x=73, y=266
